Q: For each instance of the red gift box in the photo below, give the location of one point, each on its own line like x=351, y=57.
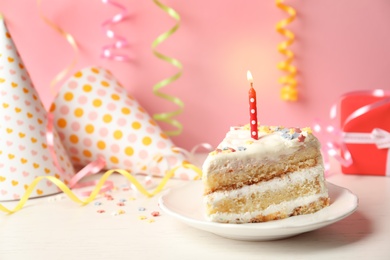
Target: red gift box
x=365, y=123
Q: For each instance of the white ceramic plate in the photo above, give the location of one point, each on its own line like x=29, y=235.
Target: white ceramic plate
x=185, y=204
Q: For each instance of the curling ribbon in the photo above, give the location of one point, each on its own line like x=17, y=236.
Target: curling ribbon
x=168, y=117
x=103, y=184
x=289, y=90
x=90, y=169
x=334, y=139
x=69, y=38
x=62, y=186
x=120, y=41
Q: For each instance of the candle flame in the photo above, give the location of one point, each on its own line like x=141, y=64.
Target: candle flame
x=249, y=77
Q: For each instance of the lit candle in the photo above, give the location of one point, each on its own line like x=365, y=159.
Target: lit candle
x=252, y=107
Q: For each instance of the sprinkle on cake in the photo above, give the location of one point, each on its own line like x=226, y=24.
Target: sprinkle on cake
x=277, y=176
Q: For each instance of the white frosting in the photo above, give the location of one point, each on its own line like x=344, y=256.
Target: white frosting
x=274, y=185
x=269, y=146
x=274, y=142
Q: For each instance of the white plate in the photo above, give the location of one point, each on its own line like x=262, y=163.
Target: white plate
x=185, y=204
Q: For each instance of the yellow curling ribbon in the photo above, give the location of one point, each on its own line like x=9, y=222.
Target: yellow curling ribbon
x=289, y=90
x=62, y=186
x=69, y=38
x=168, y=117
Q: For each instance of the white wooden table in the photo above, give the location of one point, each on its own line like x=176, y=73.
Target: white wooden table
x=57, y=228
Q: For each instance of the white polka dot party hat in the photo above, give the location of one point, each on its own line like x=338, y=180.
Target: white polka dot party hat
x=95, y=116
x=26, y=149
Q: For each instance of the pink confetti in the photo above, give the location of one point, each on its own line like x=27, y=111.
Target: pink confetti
x=155, y=213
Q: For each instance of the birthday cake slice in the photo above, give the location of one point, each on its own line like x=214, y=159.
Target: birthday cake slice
x=279, y=175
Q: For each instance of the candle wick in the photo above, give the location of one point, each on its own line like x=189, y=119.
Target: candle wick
x=251, y=84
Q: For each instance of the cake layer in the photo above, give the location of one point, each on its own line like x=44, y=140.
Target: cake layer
x=240, y=160
x=318, y=203
x=233, y=173
x=296, y=193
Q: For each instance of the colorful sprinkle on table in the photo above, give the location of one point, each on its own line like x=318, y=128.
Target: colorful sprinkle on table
x=142, y=217
x=155, y=213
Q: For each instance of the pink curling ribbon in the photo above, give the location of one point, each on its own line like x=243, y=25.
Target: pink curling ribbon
x=92, y=168
x=163, y=159
x=120, y=41
x=330, y=137
x=335, y=140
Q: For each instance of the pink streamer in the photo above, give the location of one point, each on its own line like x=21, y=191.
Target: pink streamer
x=92, y=168
x=332, y=135
x=120, y=41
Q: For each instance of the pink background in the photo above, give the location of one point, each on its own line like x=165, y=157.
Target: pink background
x=341, y=45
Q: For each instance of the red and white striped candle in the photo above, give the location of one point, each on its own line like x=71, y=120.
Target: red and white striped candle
x=252, y=108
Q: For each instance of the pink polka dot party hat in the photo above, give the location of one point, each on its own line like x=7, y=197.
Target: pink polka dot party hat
x=27, y=149
x=95, y=116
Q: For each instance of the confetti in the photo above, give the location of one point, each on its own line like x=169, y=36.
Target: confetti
x=301, y=138
x=97, y=203
x=295, y=135
x=155, y=213
x=122, y=200
x=142, y=217
x=121, y=204
x=151, y=220
x=119, y=212
x=101, y=211
x=141, y=209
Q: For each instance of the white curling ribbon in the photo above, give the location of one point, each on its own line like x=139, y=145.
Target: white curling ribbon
x=381, y=137
x=378, y=136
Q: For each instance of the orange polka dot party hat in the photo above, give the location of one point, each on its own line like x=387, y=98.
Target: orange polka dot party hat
x=27, y=148
x=96, y=117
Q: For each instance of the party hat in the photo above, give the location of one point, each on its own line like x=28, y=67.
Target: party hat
x=27, y=149
x=95, y=116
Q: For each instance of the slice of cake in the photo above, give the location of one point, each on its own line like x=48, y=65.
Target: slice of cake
x=277, y=176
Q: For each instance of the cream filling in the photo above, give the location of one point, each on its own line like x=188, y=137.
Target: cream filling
x=274, y=185
x=285, y=207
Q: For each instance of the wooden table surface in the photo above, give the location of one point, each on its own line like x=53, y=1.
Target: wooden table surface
x=57, y=228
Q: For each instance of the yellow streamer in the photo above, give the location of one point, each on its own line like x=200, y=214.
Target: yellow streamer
x=69, y=38
x=62, y=186
x=168, y=117
x=289, y=90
